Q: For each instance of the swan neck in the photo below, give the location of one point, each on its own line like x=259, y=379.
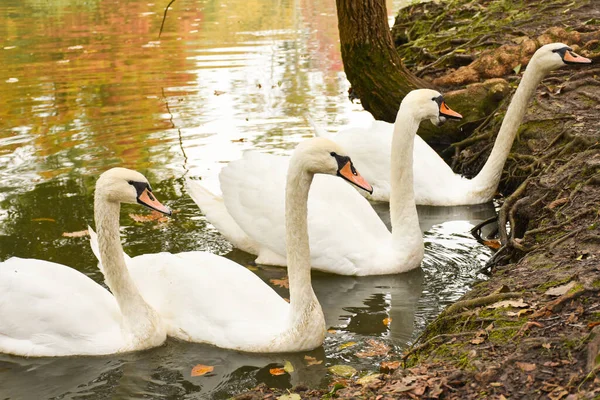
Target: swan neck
x=489, y=176
x=302, y=295
x=134, y=309
x=403, y=210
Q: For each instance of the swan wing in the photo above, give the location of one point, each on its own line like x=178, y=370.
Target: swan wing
x=343, y=227
x=204, y=297
x=49, y=309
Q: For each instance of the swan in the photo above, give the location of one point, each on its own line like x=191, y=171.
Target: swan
x=346, y=235
x=48, y=309
x=210, y=299
x=434, y=181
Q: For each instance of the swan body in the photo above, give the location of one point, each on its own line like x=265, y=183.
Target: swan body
x=346, y=235
x=434, y=181
x=48, y=309
x=206, y=298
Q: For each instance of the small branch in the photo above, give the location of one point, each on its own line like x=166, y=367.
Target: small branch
x=479, y=301
x=164, y=17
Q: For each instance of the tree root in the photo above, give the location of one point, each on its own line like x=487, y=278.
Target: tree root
x=479, y=301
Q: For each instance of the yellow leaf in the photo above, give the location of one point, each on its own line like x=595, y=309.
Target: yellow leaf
x=342, y=370
x=346, y=345
x=478, y=340
x=527, y=367
x=389, y=366
x=200, y=370
x=332, y=331
x=288, y=367
x=492, y=244
x=76, y=234
x=277, y=371
x=387, y=321
x=365, y=380
x=153, y=216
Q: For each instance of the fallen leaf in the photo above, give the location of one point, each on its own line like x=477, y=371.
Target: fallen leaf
x=387, y=321
x=551, y=364
x=546, y=345
x=560, y=290
x=332, y=331
x=496, y=384
x=346, y=345
x=593, y=324
x=492, y=244
x=153, y=216
x=517, y=69
x=76, y=234
x=240, y=140
x=374, y=348
x=277, y=371
x=288, y=367
x=312, y=361
x=291, y=396
x=365, y=380
x=389, y=366
x=419, y=390
x=501, y=397
x=219, y=92
x=478, y=340
x=342, y=370
x=283, y=282
x=509, y=303
x=527, y=367
x=43, y=220
x=200, y=370
x=558, y=394
x=557, y=202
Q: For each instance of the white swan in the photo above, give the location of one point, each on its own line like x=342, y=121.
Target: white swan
x=346, y=235
x=207, y=298
x=48, y=309
x=434, y=181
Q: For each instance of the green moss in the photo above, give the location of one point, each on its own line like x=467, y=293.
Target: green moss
x=578, y=287
x=548, y=285
x=502, y=336
x=596, y=283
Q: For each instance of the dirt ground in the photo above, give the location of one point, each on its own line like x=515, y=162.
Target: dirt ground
x=533, y=329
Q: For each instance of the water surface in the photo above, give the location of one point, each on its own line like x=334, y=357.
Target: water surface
x=87, y=85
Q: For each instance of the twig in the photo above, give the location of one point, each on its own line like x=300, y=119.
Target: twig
x=164, y=17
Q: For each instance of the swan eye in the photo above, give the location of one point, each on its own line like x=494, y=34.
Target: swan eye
x=333, y=154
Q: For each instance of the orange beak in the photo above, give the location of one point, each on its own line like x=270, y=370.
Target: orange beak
x=147, y=199
x=351, y=175
x=448, y=112
x=573, y=58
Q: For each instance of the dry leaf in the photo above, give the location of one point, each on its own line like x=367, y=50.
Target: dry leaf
x=509, y=303
x=332, y=331
x=387, y=321
x=290, y=396
x=592, y=324
x=492, y=244
x=219, y=92
x=557, y=202
x=342, y=370
x=546, y=345
x=527, y=367
x=240, y=140
x=283, y=282
x=496, y=384
x=346, y=345
x=365, y=380
x=560, y=290
x=200, y=370
x=375, y=348
x=389, y=366
x=76, y=234
x=153, y=216
x=277, y=371
x=478, y=340
x=312, y=361
x=43, y=220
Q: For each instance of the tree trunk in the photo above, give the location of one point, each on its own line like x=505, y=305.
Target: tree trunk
x=371, y=62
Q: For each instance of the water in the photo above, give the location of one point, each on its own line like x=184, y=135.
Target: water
x=87, y=85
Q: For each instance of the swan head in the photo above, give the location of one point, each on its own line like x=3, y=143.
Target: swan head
x=122, y=185
x=555, y=55
x=323, y=156
x=428, y=104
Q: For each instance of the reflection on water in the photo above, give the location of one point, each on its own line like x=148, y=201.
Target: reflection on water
x=86, y=85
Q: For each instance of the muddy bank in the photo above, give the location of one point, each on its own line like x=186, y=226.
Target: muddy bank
x=533, y=329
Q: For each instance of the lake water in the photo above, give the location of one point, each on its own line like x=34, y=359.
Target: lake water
x=87, y=85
